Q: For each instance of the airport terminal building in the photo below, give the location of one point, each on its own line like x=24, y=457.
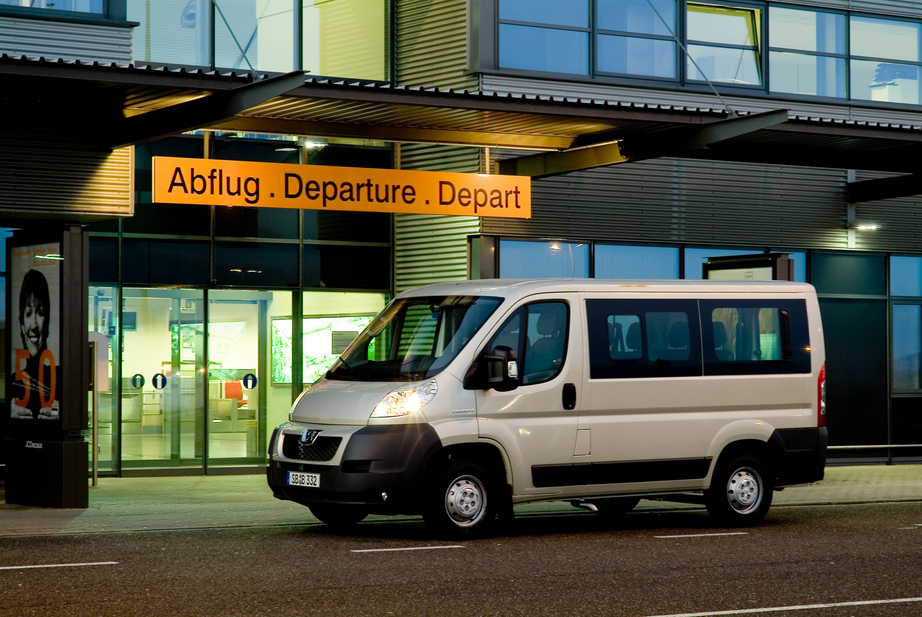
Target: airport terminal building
x=657, y=134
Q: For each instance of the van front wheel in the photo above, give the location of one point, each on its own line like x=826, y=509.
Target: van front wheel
x=740, y=492
x=462, y=501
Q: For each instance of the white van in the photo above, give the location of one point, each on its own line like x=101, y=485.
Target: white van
x=461, y=400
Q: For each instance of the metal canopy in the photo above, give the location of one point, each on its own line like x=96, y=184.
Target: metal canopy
x=131, y=104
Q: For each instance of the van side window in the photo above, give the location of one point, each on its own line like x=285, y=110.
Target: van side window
x=542, y=350
x=750, y=337
x=643, y=338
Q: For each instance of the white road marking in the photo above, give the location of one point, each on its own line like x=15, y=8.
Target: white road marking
x=801, y=607
x=708, y=535
x=411, y=548
x=62, y=565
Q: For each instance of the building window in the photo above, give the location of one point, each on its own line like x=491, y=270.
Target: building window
x=547, y=35
x=724, y=44
x=807, y=52
x=524, y=259
x=885, y=63
x=75, y=6
x=636, y=262
x=345, y=38
x=636, y=37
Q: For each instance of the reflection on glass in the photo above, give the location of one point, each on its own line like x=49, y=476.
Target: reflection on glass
x=907, y=346
x=885, y=38
x=807, y=30
x=725, y=25
x=885, y=82
x=162, y=420
x=171, y=31
x=345, y=38
x=556, y=12
x=543, y=49
x=805, y=74
x=635, y=56
x=638, y=16
x=724, y=64
x=103, y=318
x=905, y=276
x=636, y=262
x=543, y=259
x=78, y=6
x=254, y=34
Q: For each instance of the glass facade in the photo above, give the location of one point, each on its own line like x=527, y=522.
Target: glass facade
x=341, y=38
x=810, y=52
x=207, y=310
x=96, y=7
x=543, y=259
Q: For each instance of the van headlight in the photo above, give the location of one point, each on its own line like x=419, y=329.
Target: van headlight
x=406, y=400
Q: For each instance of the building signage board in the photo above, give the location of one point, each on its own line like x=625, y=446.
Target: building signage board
x=317, y=187
x=35, y=385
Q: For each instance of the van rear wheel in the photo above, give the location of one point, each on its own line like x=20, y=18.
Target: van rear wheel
x=462, y=501
x=740, y=492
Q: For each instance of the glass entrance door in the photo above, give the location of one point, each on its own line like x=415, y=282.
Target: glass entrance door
x=239, y=392
x=163, y=379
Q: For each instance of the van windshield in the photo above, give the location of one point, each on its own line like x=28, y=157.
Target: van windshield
x=414, y=338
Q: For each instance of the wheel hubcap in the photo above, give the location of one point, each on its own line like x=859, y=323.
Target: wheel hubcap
x=744, y=490
x=465, y=501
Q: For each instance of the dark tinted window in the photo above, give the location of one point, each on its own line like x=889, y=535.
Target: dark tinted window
x=347, y=267
x=256, y=264
x=643, y=338
x=256, y=222
x=163, y=262
x=753, y=337
x=103, y=260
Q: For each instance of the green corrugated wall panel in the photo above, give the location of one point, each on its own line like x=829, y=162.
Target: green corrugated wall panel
x=432, y=248
x=432, y=44
x=676, y=201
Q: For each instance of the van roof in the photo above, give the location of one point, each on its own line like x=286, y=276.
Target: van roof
x=524, y=287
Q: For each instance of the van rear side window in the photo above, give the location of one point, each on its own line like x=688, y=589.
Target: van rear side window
x=755, y=337
x=643, y=338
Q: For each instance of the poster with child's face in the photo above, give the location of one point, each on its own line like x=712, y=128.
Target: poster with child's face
x=34, y=325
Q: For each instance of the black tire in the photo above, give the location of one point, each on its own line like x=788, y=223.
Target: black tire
x=462, y=501
x=615, y=506
x=740, y=492
x=337, y=515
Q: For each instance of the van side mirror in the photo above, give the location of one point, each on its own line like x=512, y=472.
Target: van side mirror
x=499, y=371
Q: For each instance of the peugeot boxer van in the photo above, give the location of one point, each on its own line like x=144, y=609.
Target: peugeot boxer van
x=461, y=400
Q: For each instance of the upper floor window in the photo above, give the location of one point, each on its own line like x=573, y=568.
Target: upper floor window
x=759, y=46
x=635, y=37
x=885, y=63
x=724, y=44
x=338, y=38
x=76, y=6
x=544, y=35
x=807, y=52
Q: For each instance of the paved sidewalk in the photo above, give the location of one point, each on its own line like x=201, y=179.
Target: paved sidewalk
x=143, y=504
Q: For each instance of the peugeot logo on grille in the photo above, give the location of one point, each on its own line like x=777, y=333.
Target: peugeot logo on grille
x=308, y=437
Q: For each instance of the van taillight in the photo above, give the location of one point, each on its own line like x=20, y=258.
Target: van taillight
x=821, y=396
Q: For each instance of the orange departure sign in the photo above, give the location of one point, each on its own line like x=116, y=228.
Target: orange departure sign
x=317, y=187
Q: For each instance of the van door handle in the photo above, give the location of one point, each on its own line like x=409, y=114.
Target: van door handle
x=569, y=396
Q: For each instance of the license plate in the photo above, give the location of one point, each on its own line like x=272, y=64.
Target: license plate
x=311, y=480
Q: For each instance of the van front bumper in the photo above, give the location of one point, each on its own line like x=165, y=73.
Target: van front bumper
x=376, y=467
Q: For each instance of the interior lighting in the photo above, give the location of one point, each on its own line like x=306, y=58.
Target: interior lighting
x=555, y=247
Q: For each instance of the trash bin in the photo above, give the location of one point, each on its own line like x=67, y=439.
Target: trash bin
x=252, y=446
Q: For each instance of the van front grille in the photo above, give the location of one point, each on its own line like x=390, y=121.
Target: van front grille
x=323, y=448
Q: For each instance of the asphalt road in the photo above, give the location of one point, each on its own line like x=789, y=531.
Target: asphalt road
x=827, y=561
